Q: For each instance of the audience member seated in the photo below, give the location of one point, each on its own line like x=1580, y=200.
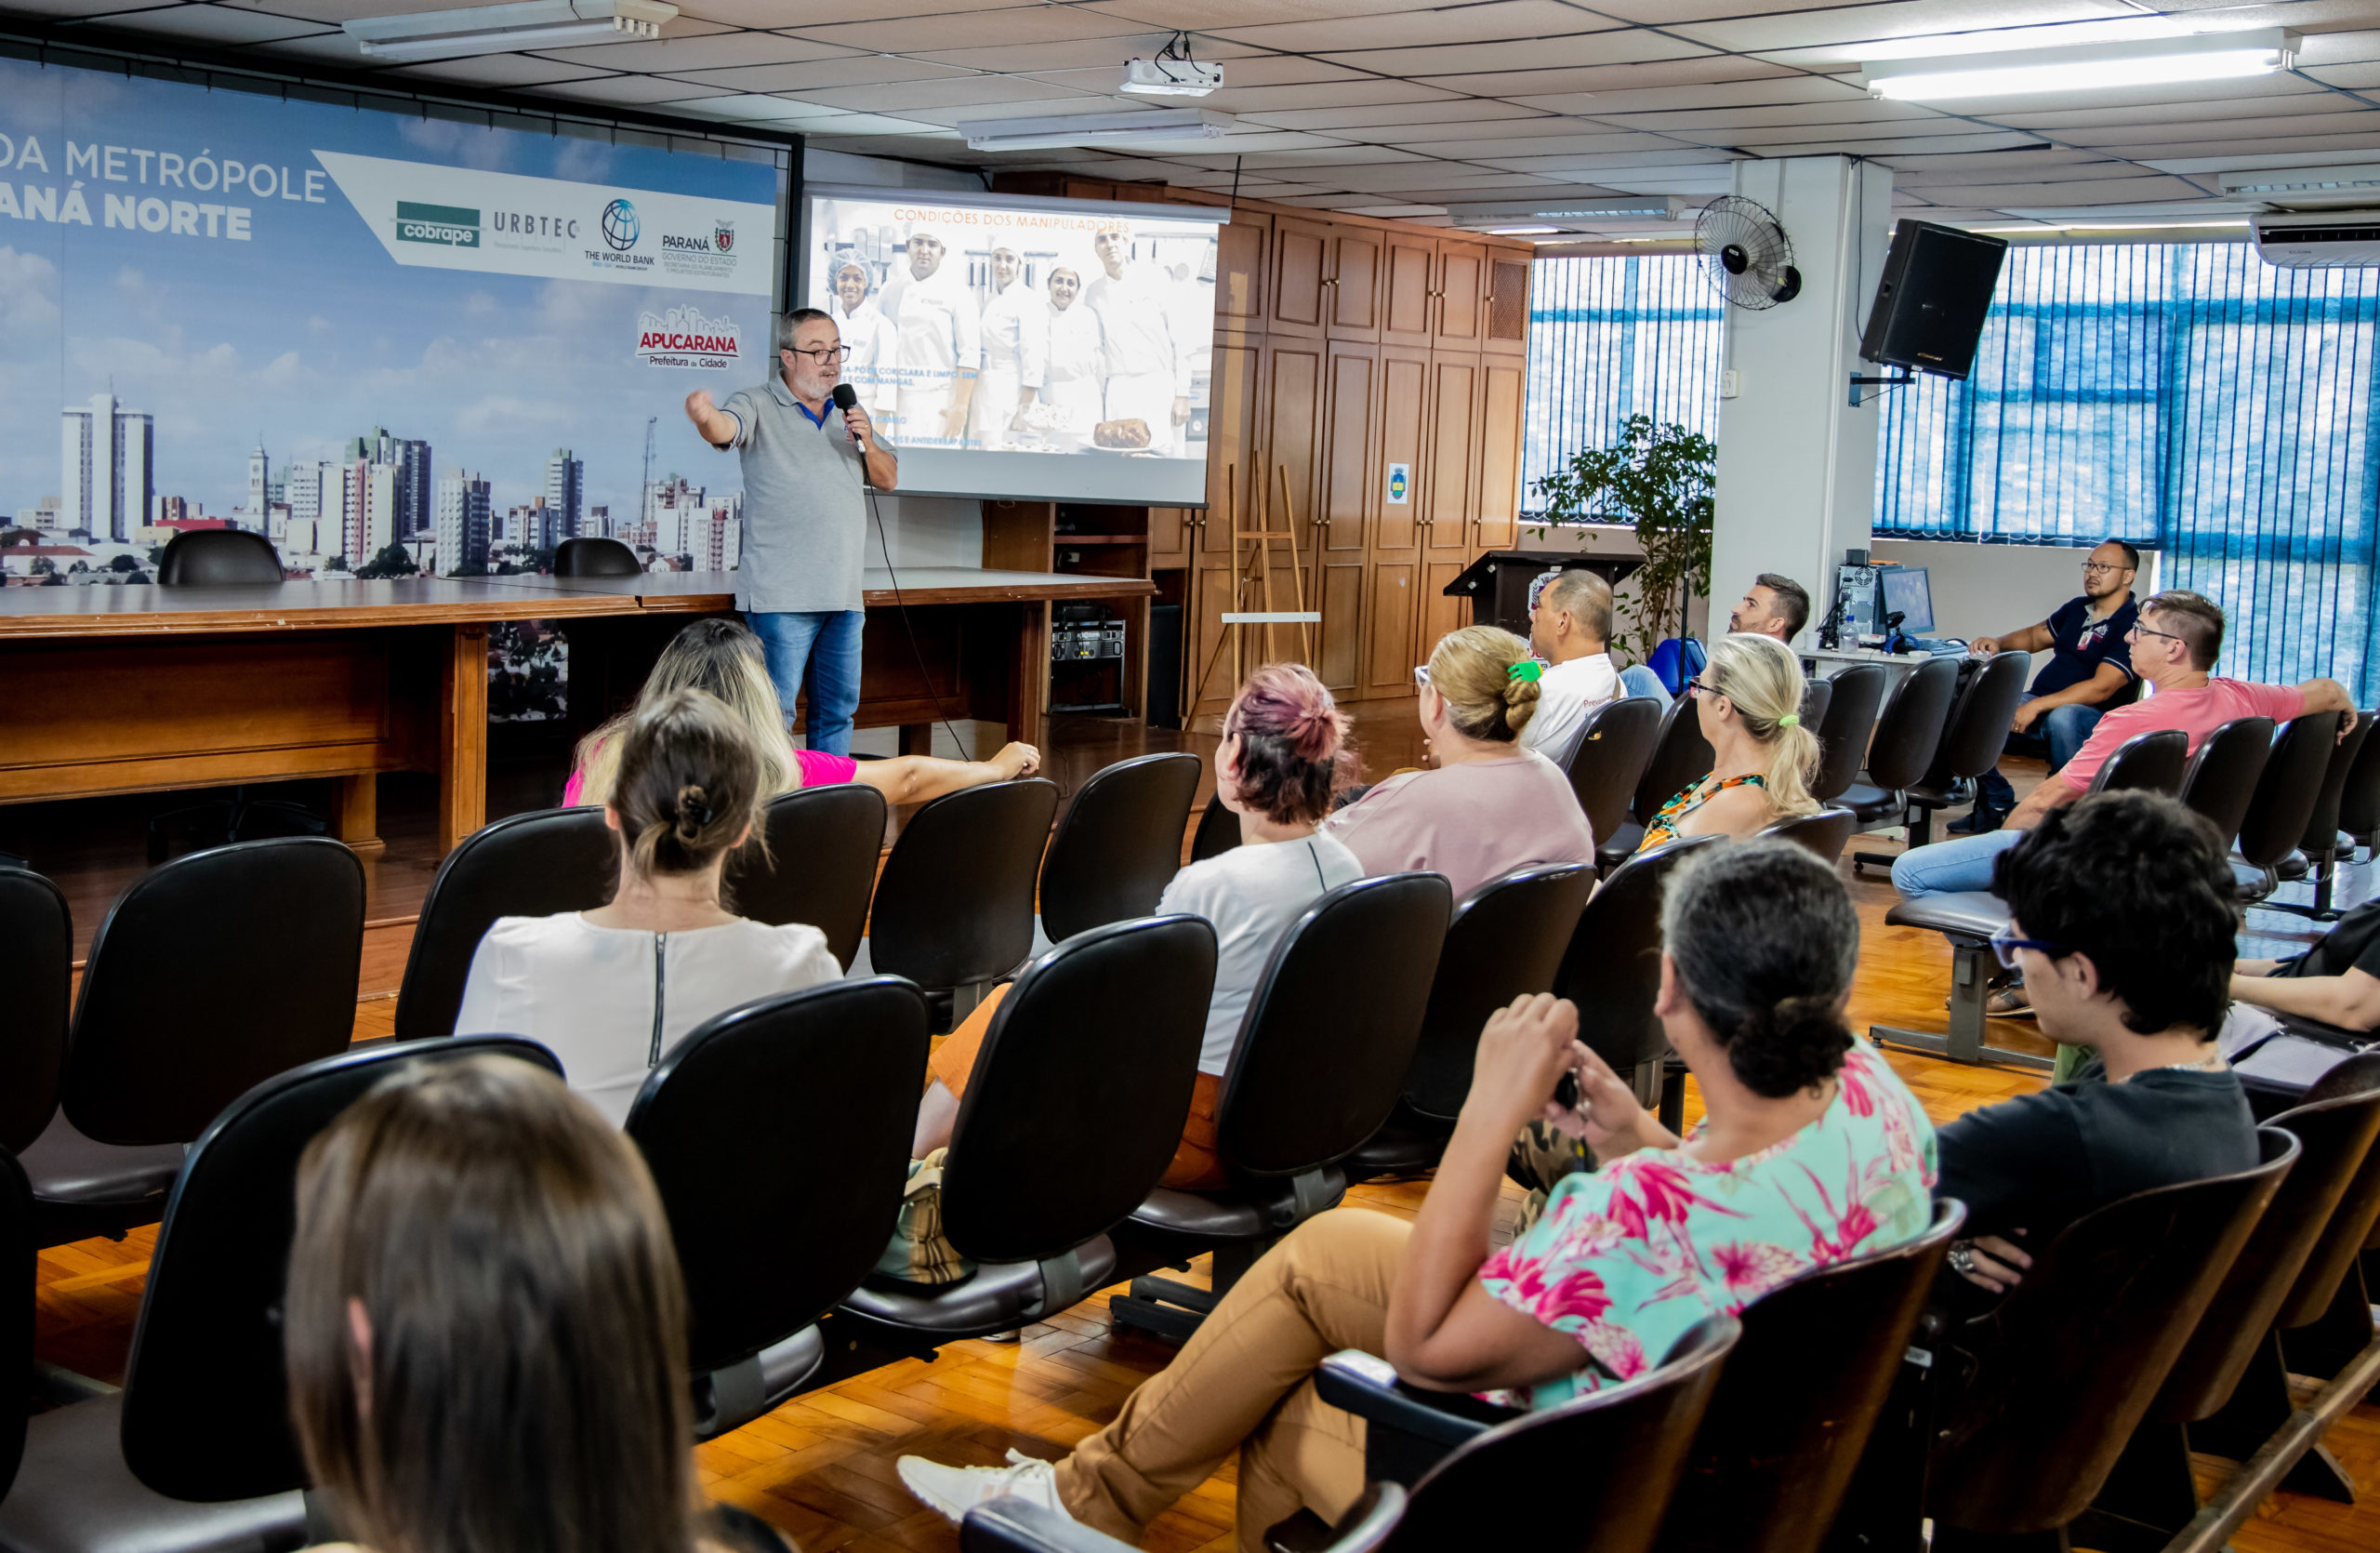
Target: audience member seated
x=2088, y=667
x=608, y=991
x=2122, y=915
x=723, y=657
x=2336, y=982
x=1276, y=768
x=1748, y=702
x=485, y=1331
x=1569, y=627
x=1492, y=805
x=2175, y=642
x=1812, y=1151
x=1773, y=606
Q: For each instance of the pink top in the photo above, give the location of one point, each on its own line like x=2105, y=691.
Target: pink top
x=2196, y=713
x=816, y=769
x=1471, y=822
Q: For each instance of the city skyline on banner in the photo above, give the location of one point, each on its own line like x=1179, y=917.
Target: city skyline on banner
x=350, y=329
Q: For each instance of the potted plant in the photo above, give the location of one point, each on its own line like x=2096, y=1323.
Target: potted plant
x=1659, y=481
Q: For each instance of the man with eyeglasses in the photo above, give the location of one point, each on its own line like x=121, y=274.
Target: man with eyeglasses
x=805, y=519
x=2173, y=645
x=2088, y=668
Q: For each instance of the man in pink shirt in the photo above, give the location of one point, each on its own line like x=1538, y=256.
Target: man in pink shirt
x=2172, y=647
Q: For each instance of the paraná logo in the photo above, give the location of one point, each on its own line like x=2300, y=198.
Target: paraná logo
x=620, y=225
x=450, y=226
x=724, y=235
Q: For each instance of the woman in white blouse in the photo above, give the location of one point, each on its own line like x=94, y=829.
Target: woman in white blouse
x=609, y=992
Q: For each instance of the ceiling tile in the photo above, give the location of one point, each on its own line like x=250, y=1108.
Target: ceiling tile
x=1556, y=166
x=1475, y=130
x=769, y=13
x=1104, y=56
x=2104, y=191
x=2247, y=134
x=217, y=25
x=2308, y=108
x=2344, y=46
x=1323, y=94
x=2352, y=77
x=1326, y=156
x=2364, y=144
x=1240, y=76
x=1429, y=175
x=499, y=70
x=328, y=12
x=113, y=10
x=951, y=92
x=1214, y=15
x=783, y=111
x=852, y=69
x=1918, y=26
x=1036, y=108
x=711, y=51
x=1449, y=24
x=1749, y=84
x=1702, y=123
x=1447, y=110
x=1535, y=87
x=629, y=89
x=1631, y=47
x=872, y=124
x=1586, y=144
x=980, y=29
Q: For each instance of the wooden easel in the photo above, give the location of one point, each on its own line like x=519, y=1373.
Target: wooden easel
x=1258, y=566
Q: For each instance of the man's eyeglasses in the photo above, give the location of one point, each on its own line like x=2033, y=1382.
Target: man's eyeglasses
x=2143, y=630
x=2004, y=945
x=2091, y=566
x=827, y=354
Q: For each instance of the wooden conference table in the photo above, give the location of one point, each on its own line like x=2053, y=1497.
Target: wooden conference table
x=138, y=690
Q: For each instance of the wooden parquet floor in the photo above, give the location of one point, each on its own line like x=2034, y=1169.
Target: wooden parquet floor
x=821, y=1468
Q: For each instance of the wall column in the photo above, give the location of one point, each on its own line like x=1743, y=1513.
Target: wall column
x=1797, y=464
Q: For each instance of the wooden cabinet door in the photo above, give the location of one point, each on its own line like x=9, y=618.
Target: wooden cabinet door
x=1171, y=529
x=1449, y=500
x=1507, y=304
x=1461, y=294
x=1501, y=379
x=1393, y=589
x=1231, y=447
x=1409, y=291
x=1349, y=391
x=1301, y=252
x=1355, y=283
x=1290, y=417
x=1240, y=276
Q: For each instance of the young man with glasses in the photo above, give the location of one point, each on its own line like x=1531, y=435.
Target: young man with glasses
x=2173, y=646
x=2122, y=915
x=2087, y=669
x=805, y=519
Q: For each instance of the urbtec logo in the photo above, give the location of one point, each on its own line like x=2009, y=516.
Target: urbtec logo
x=683, y=337
x=724, y=235
x=620, y=225
x=449, y=226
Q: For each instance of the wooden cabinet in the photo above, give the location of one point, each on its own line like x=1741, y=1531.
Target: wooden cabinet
x=1393, y=582
x=1240, y=276
x=1301, y=252
x=1355, y=283
x=1450, y=497
x=1346, y=483
x=1507, y=307
x=1409, y=291
x=1459, y=295
x=1502, y=382
x=1290, y=417
x=1231, y=445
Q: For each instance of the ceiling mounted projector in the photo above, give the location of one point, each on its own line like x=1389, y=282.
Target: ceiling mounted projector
x=1137, y=131
x=1172, y=73
x=506, y=28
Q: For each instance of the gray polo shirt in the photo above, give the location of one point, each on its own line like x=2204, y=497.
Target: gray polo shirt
x=805, y=515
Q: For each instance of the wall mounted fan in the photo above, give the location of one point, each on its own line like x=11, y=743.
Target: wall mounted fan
x=1746, y=254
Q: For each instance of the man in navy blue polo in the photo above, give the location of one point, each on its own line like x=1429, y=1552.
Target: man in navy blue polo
x=2089, y=667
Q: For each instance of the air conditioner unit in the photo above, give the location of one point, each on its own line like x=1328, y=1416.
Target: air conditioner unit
x=2318, y=240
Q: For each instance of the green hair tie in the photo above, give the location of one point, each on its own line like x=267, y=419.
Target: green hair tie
x=1526, y=668
x=1790, y=720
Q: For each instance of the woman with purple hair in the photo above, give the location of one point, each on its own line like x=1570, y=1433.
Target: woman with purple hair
x=1279, y=764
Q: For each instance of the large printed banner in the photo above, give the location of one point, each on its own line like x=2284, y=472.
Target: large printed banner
x=388, y=344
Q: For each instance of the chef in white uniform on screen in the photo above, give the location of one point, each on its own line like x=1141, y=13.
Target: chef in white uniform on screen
x=1016, y=341
x=1147, y=360
x=1074, y=366
x=874, y=348
x=940, y=336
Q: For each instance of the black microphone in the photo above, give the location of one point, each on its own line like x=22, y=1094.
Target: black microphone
x=847, y=398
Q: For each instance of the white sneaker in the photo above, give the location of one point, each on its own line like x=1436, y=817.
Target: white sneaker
x=953, y=1490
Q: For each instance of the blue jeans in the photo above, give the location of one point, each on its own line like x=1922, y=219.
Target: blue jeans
x=1637, y=680
x=1962, y=863
x=825, y=644
x=2057, y=736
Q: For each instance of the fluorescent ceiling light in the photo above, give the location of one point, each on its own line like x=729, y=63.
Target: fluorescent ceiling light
x=2084, y=67
x=2045, y=228
x=1175, y=126
x=503, y=29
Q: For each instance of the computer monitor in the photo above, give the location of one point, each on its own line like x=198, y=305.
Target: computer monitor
x=1910, y=595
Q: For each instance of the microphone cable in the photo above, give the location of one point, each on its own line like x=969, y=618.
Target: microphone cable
x=909, y=627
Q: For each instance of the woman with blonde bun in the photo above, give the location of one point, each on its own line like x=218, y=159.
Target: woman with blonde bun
x=1748, y=702
x=1492, y=805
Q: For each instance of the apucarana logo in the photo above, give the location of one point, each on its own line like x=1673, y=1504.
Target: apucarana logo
x=620, y=225
x=450, y=226
x=683, y=337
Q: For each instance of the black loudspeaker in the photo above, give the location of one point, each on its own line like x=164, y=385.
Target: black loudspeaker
x=1165, y=665
x=1931, y=304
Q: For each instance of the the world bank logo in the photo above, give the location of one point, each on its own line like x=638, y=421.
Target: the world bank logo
x=620, y=225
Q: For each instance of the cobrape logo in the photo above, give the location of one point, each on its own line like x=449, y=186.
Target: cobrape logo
x=620, y=225
x=449, y=226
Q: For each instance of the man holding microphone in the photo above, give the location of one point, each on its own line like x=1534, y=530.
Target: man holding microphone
x=805, y=518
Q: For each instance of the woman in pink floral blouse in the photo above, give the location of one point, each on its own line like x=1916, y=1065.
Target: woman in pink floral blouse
x=1811, y=1152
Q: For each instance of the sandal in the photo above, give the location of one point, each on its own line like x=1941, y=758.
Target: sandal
x=2009, y=1003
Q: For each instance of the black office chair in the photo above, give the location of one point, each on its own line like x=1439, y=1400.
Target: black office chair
x=1817, y=695
x=1070, y=1118
x=209, y=975
x=1118, y=845
x=2152, y=762
x=2221, y=781
x=1972, y=740
x=1826, y=834
x=1908, y=733
x=1850, y=718
x=533, y=865
x=1612, y=969
x=16, y=1263
x=196, y=1452
x=1506, y=939
x=226, y=558
x=2319, y=852
x=1320, y=1060
x=589, y=556
x=1681, y=758
x=1218, y=831
x=954, y=904
x=39, y=932
x=2285, y=794
x=820, y=865
x=1593, y=1475
x=1609, y=760
x=2360, y=799
x=778, y=1135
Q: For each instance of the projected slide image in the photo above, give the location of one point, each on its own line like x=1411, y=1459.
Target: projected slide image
x=1010, y=337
